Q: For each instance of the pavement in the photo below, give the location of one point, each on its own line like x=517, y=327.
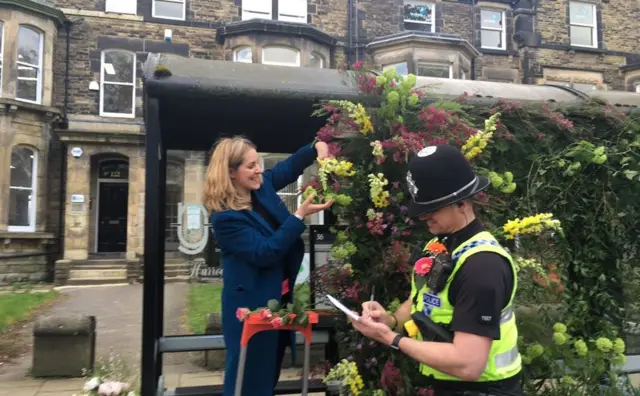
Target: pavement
x=68, y=387
x=118, y=312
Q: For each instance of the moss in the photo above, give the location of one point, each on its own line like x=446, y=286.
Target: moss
x=162, y=71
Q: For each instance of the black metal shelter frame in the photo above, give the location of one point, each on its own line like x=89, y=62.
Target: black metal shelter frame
x=189, y=103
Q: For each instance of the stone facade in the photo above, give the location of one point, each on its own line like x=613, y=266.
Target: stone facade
x=77, y=133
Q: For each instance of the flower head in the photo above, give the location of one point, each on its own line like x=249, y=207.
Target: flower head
x=276, y=322
x=242, y=313
x=423, y=266
x=265, y=314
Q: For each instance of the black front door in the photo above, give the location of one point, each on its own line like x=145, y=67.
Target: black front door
x=112, y=217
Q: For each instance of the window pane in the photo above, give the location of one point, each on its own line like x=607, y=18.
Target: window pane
x=169, y=9
x=433, y=70
x=491, y=38
x=22, y=167
x=244, y=55
x=292, y=10
x=316, y=62
x=581, y=13
x=581, y=35
x=401, y=68
x=280, y=55
x=118, y=99
x=418, y=12
x=27, y=89
x=118, y=66
x=19, y=203
x=27, y=72
x=28, y=46
x=491, y=19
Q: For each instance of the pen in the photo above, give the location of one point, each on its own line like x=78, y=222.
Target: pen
x=373, y=289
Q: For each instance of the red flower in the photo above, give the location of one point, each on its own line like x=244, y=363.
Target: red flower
x=276, y=322
x=242, y=313
x=265, y=314
x=423, y=266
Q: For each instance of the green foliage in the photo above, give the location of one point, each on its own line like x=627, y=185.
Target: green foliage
x=564, y=185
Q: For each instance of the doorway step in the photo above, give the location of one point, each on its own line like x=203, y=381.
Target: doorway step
x=98, y=272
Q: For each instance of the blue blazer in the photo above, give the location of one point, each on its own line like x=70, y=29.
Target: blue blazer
x=254, y=259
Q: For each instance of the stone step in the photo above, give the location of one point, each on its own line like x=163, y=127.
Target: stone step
x=96, y=281
x=76, y=273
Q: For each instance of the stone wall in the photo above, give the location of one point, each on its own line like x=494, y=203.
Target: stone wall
x=23, y=268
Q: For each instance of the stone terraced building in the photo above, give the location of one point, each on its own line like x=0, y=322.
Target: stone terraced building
x=71, y=129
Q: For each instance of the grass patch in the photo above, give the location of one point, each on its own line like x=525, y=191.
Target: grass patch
x=204, y=298
x=15, y=308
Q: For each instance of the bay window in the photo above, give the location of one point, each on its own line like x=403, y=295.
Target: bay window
x=281, y=56
x=22, y=189
x=29, y=83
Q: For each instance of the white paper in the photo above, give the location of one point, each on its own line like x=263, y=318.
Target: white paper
x=344, y=309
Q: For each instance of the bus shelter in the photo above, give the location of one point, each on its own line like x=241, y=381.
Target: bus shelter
x=189, y=103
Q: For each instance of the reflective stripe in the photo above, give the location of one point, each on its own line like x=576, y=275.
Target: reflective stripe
x=506, y=315
x=456, y=254
x=507, y=358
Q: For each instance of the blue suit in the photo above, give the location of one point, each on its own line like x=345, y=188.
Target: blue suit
x=255, y=258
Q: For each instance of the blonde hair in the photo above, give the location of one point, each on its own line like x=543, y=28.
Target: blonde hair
x=219, y=191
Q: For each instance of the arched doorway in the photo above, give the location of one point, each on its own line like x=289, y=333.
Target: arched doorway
x=112, y=205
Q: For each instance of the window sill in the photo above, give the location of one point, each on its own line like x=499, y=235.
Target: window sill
x=26, y=235
x=495, y=51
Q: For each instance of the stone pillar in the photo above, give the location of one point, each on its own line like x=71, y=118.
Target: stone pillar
x=76, y=239
x=194, y=173
x=135, y=212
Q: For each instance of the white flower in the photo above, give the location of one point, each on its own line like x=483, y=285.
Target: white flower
x=112, y=388
x=92, y=384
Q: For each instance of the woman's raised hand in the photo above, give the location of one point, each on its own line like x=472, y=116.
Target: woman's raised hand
x=322, y=149
x=308, y=207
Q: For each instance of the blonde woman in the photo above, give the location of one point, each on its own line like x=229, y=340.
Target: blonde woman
x=261, y=249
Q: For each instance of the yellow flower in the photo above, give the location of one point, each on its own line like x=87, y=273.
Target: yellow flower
x=478, y=142
x=332, y=165
x=531, y=225
x=379, y=196
x=357, y=113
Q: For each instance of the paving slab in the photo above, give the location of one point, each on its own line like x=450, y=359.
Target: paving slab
x=22, y=391
x=72, y=384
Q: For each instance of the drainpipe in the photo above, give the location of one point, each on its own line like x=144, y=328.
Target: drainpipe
x=350, y=32
x=65, y=118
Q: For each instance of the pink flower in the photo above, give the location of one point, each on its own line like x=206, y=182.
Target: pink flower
x=276, y=322
x=265, y=314
x=242, y=313
x=423, y=266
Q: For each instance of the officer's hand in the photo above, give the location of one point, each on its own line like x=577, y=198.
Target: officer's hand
x=376, y=312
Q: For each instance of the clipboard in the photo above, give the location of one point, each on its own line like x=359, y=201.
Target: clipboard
x=344, y=309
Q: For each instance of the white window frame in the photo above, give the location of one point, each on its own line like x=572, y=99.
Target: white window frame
x=184, y=10
x=432, y=4
x=281, y=63
x=638, y=88
x=252, y=13
x=38, y=67
x=594, y=26
x=319, y=57
x=34, y=193
x=102, y=83
x=434, y=63
x=290, y=15
x=502, y=30
x=122, y=6
x=1, y=54
x=235, y=54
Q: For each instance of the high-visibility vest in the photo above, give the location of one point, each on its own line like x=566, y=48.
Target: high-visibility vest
x=504, y=358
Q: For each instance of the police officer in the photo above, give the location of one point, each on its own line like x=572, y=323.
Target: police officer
x=463, y=281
